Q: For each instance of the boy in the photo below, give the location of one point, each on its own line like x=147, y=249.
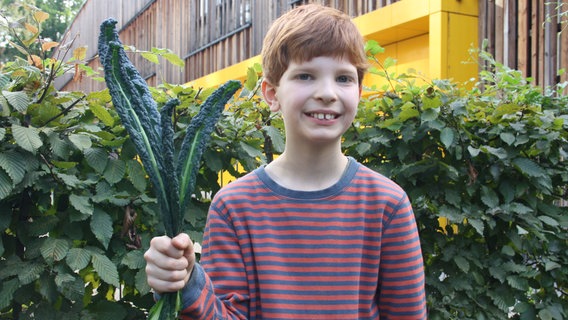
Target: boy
x=313, y=234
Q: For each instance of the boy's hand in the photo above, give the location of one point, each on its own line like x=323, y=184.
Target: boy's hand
x=169, y=262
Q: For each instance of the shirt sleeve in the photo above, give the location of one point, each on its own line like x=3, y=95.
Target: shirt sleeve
x=401, y=276
x=218, y=286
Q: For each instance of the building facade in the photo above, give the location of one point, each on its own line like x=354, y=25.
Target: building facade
x=220, y=39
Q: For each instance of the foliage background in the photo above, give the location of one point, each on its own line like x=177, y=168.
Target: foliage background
x=77, y=213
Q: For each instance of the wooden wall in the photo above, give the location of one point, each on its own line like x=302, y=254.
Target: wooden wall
x=526, y=35
x=213, y=34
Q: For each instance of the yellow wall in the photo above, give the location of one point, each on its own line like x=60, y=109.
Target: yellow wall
x=430, y=36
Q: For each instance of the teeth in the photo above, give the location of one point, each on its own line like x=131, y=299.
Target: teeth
x=321, y=116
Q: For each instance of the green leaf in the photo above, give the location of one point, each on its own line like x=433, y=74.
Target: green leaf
x=114, y=171
x=27, y=137
x=408, y=111
x=2, y=133
x=478, y=225
x=80, y=141
x=462, y=263
x=12, y=163
x=30, y=272
x=70, y=180
x=136, y=175
x=529, y=167
x=447, y=137
x=507, y=137
x=102, y=114
x=197, y=138
x=6, y=185
x=19, y=100
x=549, y=221
x=7, y=289
x=141, y=282
x=54, y=249
x=429, y=115
x=152, y=57
x=489, y=197
x=174, y=59
x=97, y=158
x=276, y=137
x=134, y=259
x=101, y=226
x=251, y=151
x=82, y=204
x=252, y=79
x=431, y=103
x=105, y=269
x=78, y=259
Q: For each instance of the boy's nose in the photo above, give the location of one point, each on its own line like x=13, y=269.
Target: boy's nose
x=325, y=91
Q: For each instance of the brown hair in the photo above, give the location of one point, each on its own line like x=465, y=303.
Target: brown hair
x=311, y=31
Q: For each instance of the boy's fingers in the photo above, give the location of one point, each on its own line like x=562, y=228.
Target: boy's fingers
x=181, y=241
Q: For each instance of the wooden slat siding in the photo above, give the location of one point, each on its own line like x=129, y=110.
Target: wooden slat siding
x=523, y=29
x=529, y=44
x=534, y=41
x=499, y=30
x=512, y=34
x=563, y=51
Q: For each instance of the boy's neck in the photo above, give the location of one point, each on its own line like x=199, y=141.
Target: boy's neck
x=309, y=170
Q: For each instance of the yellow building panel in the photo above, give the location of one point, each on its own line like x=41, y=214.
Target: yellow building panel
x=432, y=37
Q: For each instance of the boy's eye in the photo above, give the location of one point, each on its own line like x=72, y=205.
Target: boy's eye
x=304, y=76
x=344, y=79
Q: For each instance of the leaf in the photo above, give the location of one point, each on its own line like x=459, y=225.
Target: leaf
x=101, y=226
x=136, y=175
x=30, y=272
x=97, y=158
x=529, y=167
x=41, y=16
x=105, y=269
x=489, y=197
x=507, y=137
x=478, y=225
x=54, y=249
x=102, y=114
x=447, y=137
x=141, y=282
x=27, y=137
x=114, y=171
x=80, y=141
x=549, y=221
x=196, y=139
x=252, y=79
x=82, y=204
x=462, y=263
x=7, y=289
x=152, y=57
x=18, y=100
x=80, y=53
x=12, y=163
x=134, y=259
x=48, y=45
x=276, y=137
x=362, y=148
x=78, y=259
x=174, y=59
x=31, y=28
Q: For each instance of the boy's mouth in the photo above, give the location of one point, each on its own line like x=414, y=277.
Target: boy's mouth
x=322, y=116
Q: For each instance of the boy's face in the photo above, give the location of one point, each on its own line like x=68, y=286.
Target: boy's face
x=318, y=99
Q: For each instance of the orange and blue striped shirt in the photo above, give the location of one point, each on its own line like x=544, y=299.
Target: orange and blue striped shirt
x=350, y=251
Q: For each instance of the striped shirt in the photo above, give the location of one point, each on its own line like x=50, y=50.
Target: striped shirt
x=350, y=251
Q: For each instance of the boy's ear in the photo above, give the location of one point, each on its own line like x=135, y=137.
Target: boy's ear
x=269, y=94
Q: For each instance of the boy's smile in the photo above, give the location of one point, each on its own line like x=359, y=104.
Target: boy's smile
x=318, y=99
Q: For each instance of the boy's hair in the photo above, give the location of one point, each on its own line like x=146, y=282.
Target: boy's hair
x=311, y=31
